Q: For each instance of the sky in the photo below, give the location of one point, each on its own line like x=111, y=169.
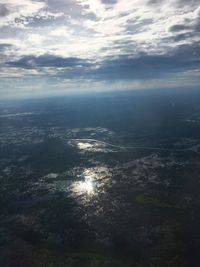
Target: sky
x=63, y=45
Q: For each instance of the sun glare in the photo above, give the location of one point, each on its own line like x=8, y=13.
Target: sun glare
x=86, y=187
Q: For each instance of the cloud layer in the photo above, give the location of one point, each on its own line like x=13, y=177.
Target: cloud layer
x=98, y=43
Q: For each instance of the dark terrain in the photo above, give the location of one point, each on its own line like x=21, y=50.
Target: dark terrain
x=101, y=180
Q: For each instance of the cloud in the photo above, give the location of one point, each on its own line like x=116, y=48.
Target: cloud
x=4, y=11
x=17, y=13
x=123, y=67
x=187, y=3
x=144, y=66
x=3, y=47
x=175, y=3
x=99, y=40
x=109, y=2
x=72, y=9
x=32, y=62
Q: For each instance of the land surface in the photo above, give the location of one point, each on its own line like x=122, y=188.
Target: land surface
x=101, y=180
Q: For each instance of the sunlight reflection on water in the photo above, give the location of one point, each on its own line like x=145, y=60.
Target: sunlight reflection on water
x=94, y=179
x=86, y=187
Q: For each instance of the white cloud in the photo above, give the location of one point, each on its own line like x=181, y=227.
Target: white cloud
x=90, y=29
x=18, y=11
x=147, y=27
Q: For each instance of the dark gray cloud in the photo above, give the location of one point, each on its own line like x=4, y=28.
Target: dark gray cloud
x=187, y=25
x=144, y=66
x=3, y=55
x=109, y=2
x=184, y=58
x=32, y=62
x=187, y=2
x=151, y=2
x=137, y=25
x=4, y=46
x=179, y=27
x=183, y=36
x=4, y=11
x=71, y=9
x=177, y=3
